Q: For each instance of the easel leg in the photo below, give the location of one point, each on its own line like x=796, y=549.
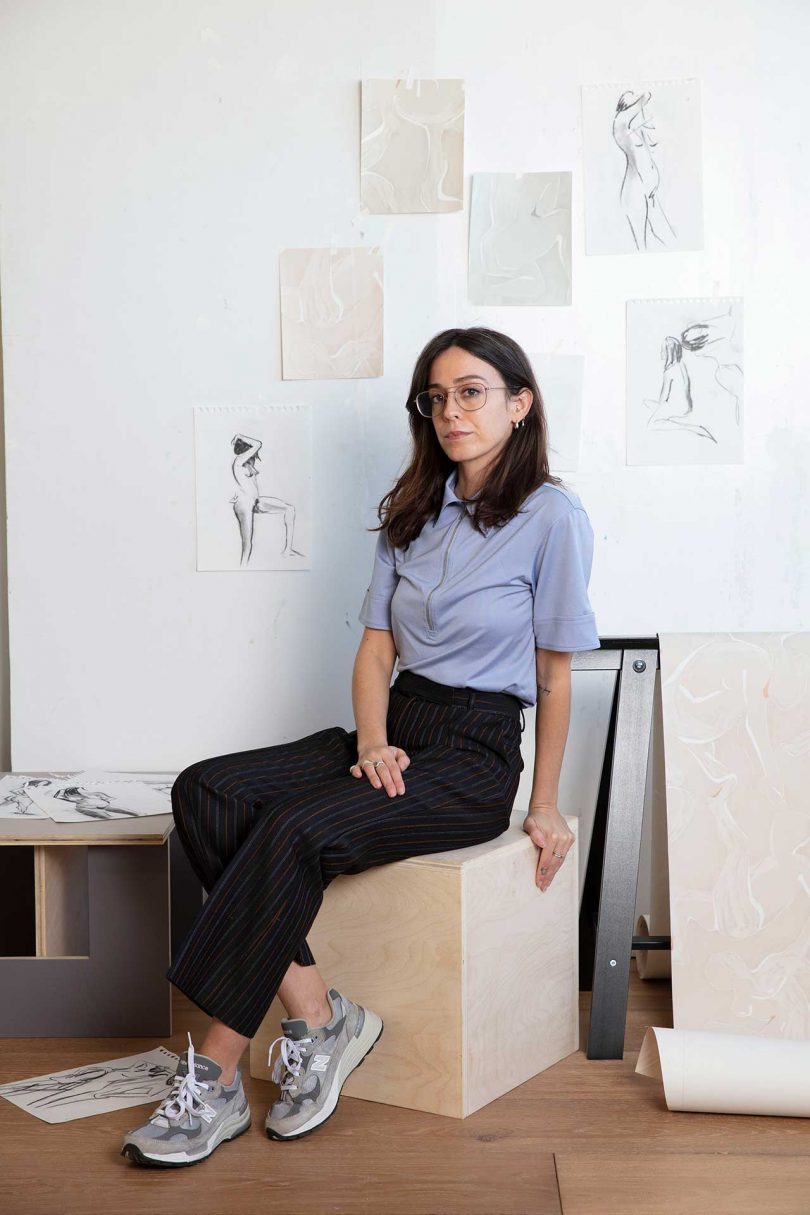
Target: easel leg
x=622, y=844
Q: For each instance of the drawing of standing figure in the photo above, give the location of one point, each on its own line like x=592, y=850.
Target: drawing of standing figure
x=640, y=186
x=248, y=502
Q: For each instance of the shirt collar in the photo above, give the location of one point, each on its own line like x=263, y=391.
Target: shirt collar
x=450, y=491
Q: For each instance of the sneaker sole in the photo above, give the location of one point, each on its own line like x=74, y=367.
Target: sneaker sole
x=354, y=1055
x=229, y=1128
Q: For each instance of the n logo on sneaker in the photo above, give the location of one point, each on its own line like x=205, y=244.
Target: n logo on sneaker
x=319, y=1063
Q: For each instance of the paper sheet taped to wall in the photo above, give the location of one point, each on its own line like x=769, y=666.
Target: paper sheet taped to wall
x=713, y=1073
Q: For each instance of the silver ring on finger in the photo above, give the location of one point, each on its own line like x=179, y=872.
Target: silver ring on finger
x=561, y=855
x=377, y=763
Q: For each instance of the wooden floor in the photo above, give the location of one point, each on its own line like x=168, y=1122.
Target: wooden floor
x=586, y=1137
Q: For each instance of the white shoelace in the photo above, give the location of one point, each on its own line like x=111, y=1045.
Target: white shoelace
x=185, y=1096
x=287, y=1062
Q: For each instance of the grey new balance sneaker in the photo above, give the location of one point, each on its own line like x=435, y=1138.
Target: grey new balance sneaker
x=198, y=1115
x=313, y=1064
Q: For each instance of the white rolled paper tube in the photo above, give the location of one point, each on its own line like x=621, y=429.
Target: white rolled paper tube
x=651, y=963
x=728, y=1073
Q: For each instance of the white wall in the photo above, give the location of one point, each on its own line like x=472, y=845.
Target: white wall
x=155, y=158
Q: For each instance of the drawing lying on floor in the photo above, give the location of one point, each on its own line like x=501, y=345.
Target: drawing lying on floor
x=643, y=171
x=412, y=146
x=96, y=1088
x=15, y=796
x=253, y=487
x=697, y=345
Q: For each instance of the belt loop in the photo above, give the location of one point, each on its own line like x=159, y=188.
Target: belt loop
x=522, y=720
x=471, y=700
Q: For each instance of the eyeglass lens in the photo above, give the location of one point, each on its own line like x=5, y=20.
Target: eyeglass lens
x=469, y=397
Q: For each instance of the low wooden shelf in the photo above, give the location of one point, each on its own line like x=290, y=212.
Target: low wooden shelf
x=103, y=930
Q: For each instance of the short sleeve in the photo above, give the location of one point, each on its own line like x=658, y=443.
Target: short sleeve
x=562, y=615
x=376, y=609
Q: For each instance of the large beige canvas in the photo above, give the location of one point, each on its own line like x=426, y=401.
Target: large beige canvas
x=412, y=146
x=736, y=710
x=331, y=313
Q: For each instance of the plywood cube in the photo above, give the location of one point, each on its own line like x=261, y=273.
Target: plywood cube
x=473, y=969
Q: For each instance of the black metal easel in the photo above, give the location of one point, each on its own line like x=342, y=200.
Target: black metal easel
x=606, y=920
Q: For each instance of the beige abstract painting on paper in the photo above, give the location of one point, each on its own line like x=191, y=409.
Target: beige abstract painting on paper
x=331, y=313
x=412, y=146
x=736, y=712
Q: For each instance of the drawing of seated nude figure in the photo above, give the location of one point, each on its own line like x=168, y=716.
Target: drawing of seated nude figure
x=640, y=186
x=675, y=408
x=248, y=502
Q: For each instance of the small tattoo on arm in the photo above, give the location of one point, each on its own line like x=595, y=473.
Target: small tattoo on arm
x=540, y=688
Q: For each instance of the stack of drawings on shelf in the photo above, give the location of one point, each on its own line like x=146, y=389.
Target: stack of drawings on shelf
x=73, y=797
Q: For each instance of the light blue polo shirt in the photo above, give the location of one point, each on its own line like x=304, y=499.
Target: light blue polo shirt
x=470, y=610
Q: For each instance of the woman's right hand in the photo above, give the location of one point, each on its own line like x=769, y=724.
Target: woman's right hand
x=387, y=774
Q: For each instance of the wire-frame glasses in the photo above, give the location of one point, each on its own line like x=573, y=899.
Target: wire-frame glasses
x=468, y=396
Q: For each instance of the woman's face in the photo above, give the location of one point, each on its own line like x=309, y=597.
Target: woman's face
x=484, y=431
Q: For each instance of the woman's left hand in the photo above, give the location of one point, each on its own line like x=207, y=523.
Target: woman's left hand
x=549, y=831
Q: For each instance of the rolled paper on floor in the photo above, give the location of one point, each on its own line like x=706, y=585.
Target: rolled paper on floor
x=651, y=963
x=718, y=1073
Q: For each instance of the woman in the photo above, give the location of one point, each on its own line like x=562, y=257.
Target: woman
x=479, y=587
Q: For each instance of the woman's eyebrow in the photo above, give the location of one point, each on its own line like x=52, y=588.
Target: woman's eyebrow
x=458, y=380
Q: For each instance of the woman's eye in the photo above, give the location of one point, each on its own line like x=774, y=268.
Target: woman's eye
x=437, y=398
x=471, y=393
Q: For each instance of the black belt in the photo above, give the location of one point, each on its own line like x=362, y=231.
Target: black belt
x=468, y=698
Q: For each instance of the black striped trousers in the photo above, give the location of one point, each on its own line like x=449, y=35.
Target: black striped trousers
x=267, y=830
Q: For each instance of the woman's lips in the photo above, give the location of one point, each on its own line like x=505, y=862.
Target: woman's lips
x=458, y=434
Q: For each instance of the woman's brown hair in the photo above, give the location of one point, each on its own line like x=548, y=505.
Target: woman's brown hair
x=520, y=468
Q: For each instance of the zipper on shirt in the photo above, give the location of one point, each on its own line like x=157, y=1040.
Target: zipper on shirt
x=444, y=571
